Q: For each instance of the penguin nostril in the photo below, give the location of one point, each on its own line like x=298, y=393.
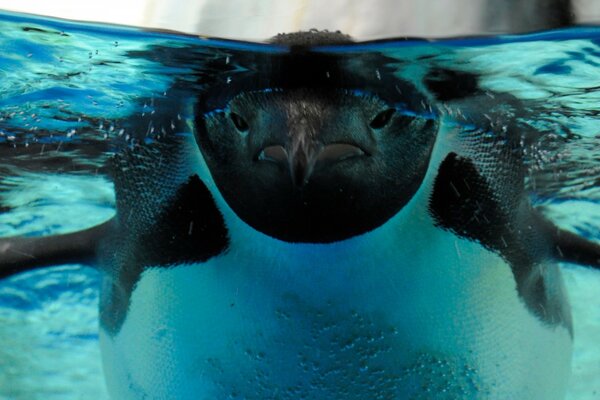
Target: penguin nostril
x=382, y=119
x=239, y=122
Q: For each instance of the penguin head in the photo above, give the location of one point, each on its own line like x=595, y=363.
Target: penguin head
x=310, y=146
x=315, y=165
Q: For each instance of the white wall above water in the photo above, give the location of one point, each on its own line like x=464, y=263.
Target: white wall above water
x=260, y=19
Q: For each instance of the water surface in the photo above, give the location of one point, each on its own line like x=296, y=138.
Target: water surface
x=72, y=95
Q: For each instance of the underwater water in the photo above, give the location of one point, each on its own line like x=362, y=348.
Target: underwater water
x=72, y=95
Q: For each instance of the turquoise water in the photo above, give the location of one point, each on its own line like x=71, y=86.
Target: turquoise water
x=73, y=94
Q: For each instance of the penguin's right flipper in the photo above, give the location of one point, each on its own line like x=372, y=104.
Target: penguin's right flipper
x=570, y=247
x=18, y=254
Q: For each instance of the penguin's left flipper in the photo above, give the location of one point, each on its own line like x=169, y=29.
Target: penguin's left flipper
x=572, y=248
x=18, y=254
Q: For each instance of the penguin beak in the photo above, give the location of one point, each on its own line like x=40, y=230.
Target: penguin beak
x=303, y=157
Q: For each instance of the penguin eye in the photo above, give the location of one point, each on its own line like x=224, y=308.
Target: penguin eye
x=382, y=119
x=239, y=122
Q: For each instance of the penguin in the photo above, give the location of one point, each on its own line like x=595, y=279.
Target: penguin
x=322, y=233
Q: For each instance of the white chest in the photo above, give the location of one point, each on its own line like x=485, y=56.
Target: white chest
x=406, y=311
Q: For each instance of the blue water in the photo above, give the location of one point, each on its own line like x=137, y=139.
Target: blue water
x=73, y=94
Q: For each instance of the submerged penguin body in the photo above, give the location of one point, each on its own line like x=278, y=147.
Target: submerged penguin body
x=408, y=309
